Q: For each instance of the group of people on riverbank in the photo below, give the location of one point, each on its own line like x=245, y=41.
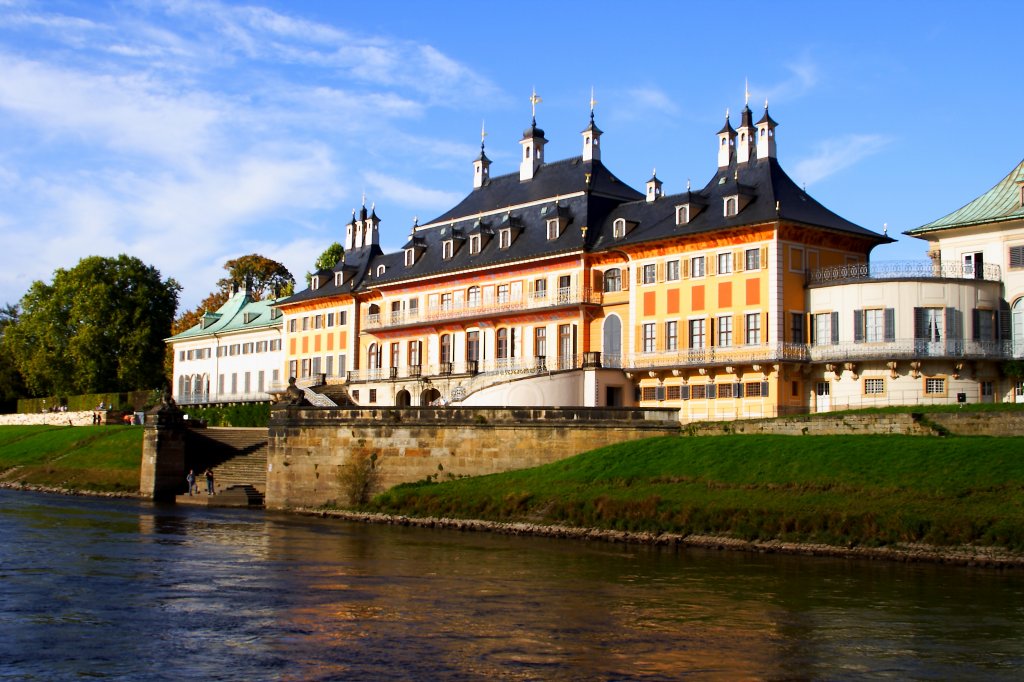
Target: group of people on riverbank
x=193, y=489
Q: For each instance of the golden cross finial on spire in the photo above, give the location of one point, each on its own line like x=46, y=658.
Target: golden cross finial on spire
x=364, y=198
x=766, y=104
x=727, y=113
x=534, y=101
x=746, y=91
x=483, y=132
x=593, y=102
x=654, y=172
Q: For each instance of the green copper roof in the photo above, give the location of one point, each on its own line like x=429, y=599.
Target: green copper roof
x=239, y=313
x=1002, y=202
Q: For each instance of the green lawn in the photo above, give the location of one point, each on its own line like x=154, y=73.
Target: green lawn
x=103, y=458
x=868, y=490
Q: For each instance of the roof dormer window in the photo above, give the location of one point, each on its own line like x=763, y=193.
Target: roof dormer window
x=381, y=269
x=410, y=257
x=474, y=244
x=447, y=249
x=553, y=229
x=339, y=279
x=730, y=206
x=682, y=214
x=314, y=282
x=504, y=238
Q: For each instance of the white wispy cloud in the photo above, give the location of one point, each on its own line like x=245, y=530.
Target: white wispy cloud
x=804, y=75
x=408, y=193
x=836, y=154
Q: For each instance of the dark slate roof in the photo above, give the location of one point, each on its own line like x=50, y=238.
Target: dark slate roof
x=354, y=264
x=551, y=179
x=764, y=182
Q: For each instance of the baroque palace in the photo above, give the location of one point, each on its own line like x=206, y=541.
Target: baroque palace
x=560, y=285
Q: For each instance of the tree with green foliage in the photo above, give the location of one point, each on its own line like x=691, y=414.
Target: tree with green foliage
x=327, y=260
x=263, y=277
x=97, y=327
x=12, y=386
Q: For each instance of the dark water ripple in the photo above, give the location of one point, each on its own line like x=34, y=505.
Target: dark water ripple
x=124, y=590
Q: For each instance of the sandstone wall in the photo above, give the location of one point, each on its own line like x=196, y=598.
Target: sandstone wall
x=309, y=449
x=47, y=419
x=929, y=424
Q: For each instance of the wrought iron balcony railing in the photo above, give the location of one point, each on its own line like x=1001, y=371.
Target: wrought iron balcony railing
x=858, y=272
x=717, y=355
x=471, y=309
x=912, y=349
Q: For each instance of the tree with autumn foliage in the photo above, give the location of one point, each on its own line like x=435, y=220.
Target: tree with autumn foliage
x=263, y=277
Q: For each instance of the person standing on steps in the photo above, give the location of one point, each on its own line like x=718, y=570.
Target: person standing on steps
x=191, y=480
x=209, y=481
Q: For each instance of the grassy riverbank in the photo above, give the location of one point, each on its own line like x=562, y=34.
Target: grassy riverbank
x=840, y=490
x=93, y=458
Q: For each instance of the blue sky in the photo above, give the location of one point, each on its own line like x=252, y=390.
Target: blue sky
x=189, y=132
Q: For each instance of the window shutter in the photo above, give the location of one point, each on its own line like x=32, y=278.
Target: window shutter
x=810, y=328
x=684, y=392
x=737, y=389
x=639, y=274
x=976, y=324
x=659, y=392
x=711, y=332
x=624, y=279
x=764, y=389
x=763, y=260
x=858, y=326
x=1003, y=319
x=711, y=265
x=686, y=268
x=835, y=327
x=890, y=324
x=711, y=391
x=953, y=330
x=737, y=261
x=638, y=343
x=920, y=324
x=661, y=272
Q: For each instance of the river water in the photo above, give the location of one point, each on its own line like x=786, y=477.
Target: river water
x=124, y=589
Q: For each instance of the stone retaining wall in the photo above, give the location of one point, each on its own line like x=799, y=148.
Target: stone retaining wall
x=47, y=419
x=1010, y=423
x=311, y=448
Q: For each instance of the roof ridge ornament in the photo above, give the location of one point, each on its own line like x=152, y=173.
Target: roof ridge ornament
x=746, y=91
x=534, y=101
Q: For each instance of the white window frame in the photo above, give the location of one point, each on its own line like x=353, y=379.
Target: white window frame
x=724, y=263
x=474, y=244
x=697, y=266
x=672, y=270
x=504, y=238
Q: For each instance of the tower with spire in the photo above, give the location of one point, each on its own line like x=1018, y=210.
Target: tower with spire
x=766, y=135
x=592, y=135
x=482, y=166
x=533, y=145
x=726, y=143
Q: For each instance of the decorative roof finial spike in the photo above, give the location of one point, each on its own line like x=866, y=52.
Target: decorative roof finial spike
x=534, y=101
x=593, y=102
x=746, y=91
x=364, y=198
x=885, y=229
x=766, y=104
x=483, y=134
x=687, y=184
x=727, y=113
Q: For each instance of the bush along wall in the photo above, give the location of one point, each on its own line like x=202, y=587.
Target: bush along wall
x=245, y=414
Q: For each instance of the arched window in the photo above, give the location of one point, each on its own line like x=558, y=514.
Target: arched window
x=613, y=279
x=446, y=348
x=611, y=350
x=502, y=341
x=1017, y=327
x=374, y=356
x=473, y=297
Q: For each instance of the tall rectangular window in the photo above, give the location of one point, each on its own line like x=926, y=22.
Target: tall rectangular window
x=671, y=335
x=395, y=353
x=753, y=328
x=672, y=270
x=697, y=339
x=648, y=341
x=540, y=341
x=752, y=259
x=724, y=263
x=874, y=325
x=697, y=266
x=725, y=330
x=650, y=273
